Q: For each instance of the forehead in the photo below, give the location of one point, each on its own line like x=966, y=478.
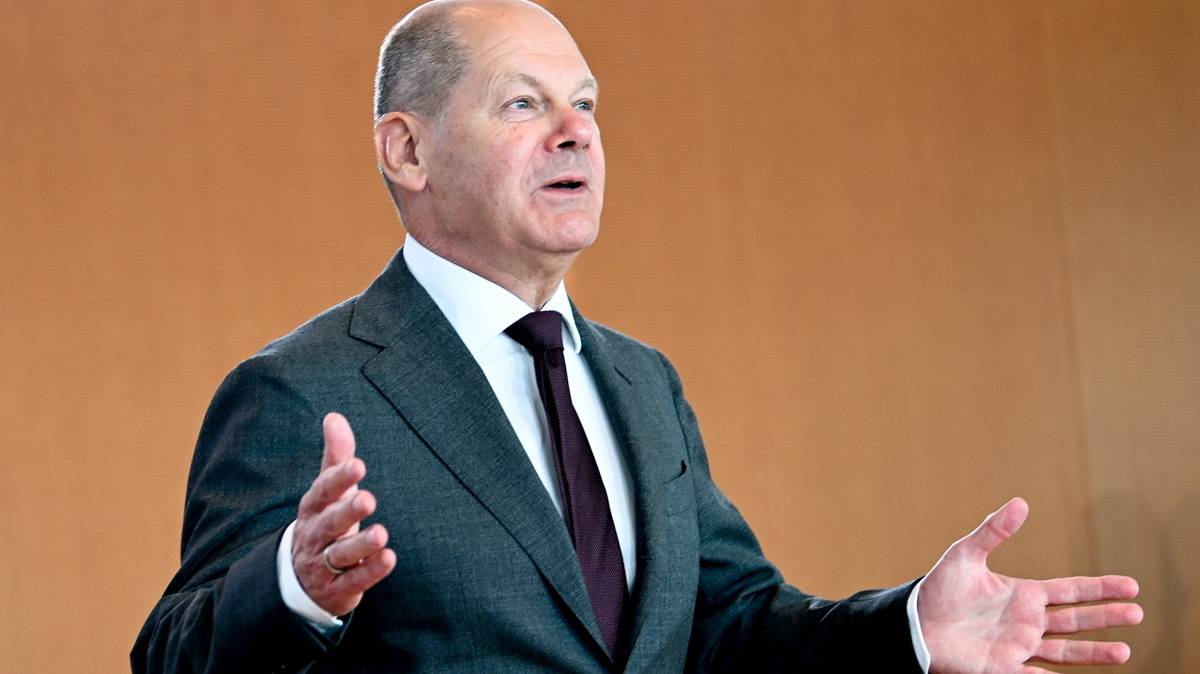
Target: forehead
x=517, y=42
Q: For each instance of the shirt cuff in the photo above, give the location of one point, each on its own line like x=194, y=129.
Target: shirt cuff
x=295, y=598
x=914, y=628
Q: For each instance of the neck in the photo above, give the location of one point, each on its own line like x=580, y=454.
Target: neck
x=534, y=292
x=533, y=280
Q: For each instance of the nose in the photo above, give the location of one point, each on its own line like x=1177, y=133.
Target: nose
x=574, y=131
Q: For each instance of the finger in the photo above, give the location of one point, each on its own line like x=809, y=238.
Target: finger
x=995, y=529
x=1078, y=589
x=1085, y=618
x=331, y=485
x=368, y=572
x=339, y=519
x=339, y=440
x=1068, y=652
x=1034, y=670
x=350, y=551
x=340, y=593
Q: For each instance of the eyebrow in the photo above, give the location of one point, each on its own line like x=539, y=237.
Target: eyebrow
x=534, y=82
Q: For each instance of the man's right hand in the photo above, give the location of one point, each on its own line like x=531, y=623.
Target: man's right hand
x=329, y=517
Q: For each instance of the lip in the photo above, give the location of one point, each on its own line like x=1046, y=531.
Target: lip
x=567, y=178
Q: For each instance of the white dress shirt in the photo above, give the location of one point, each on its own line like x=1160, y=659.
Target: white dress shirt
x=480, y=311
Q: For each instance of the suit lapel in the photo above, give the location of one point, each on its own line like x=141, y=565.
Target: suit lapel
x=640, y=438
x=431, y=379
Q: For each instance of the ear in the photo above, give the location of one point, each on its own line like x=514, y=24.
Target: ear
x=396, y=137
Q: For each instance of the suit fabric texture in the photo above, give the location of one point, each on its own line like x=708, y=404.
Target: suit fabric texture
x=486, y=579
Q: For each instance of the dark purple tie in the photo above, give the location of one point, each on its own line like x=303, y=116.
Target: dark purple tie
x=584, y=501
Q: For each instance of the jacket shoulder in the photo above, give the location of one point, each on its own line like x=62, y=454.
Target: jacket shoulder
x=620, y=342
x=326, y=329
x=633, y=352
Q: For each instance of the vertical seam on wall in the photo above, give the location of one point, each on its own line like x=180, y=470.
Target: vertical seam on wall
x=1050, y=68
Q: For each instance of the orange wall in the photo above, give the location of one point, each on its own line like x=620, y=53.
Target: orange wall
x=967, y=233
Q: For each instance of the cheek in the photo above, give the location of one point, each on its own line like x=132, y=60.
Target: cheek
x=505, y=150
x=598, y=175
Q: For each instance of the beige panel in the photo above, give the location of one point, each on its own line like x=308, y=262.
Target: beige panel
x=1127, y=82
x=178, y=184
x=841, y=220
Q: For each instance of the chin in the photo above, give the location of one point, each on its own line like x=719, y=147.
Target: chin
x=571, y=234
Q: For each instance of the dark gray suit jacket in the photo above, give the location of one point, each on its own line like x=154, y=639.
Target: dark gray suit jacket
x=486, y=579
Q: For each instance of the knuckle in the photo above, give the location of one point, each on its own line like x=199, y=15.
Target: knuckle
x=302, y=537
x=325, y=492
x=329, y=528
x=308, y=501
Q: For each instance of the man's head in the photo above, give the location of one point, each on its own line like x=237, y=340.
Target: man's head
x=485, y=130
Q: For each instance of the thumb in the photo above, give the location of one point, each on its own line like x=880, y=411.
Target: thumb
x=995, y=529
x=339, y=440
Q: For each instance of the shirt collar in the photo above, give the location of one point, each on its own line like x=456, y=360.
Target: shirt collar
x=478, y=309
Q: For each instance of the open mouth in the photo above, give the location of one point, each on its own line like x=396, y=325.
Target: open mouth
x=565, y=185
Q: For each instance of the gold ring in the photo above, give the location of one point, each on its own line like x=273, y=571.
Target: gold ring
x=335, y=570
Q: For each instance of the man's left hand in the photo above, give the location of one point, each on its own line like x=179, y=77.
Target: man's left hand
x=976, y=621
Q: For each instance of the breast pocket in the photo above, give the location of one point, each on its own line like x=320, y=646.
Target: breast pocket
x=678, y=495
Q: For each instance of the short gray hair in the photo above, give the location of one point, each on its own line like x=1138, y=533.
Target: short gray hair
x=420, y=61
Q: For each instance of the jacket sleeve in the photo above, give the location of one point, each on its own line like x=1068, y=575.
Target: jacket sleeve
x=259, y=449
x=748, y=620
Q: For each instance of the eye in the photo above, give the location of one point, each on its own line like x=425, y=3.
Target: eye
x=586, y=105
x=523, y=103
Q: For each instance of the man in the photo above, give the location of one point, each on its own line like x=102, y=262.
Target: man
x=540, y=494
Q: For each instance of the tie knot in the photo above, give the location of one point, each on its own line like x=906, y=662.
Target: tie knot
x=539, y=332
